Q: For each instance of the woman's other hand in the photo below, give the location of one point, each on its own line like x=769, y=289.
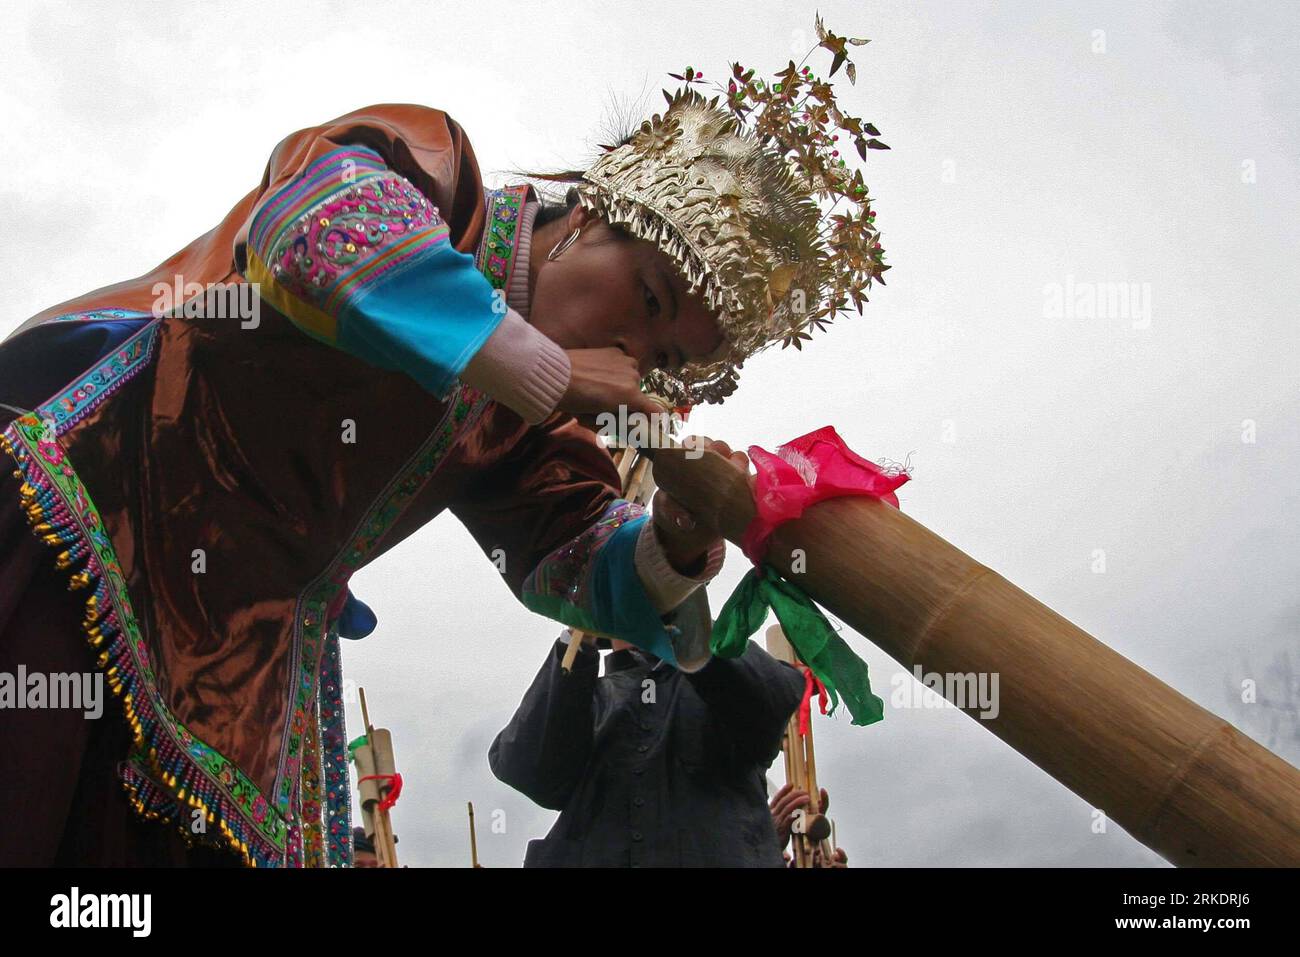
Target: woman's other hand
x=686, y=540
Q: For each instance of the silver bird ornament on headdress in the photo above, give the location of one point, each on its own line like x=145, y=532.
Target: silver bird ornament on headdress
x=732, y=195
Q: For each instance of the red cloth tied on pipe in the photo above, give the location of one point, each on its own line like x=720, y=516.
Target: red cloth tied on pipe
x=393, y=782
x=810, y=684
x=805, y=471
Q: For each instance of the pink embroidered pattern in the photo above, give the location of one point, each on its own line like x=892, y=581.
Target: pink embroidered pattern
x=360, y=232
x=566, y=572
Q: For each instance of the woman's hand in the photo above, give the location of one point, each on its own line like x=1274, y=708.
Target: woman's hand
x=601, y=380
x=685, y=539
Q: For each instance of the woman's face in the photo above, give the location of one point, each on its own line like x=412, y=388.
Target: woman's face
x=610, y=290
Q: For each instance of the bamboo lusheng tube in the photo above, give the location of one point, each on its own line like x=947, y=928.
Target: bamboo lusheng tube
x=364, y=757
x=366, y=763
x=800, y=762
x=1181, y=780
x=380, y=741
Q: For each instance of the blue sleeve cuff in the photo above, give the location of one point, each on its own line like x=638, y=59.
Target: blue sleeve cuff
x=619, y=597
x=427, y=317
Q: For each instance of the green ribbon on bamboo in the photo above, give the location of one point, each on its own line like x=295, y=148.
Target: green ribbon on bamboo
x=355, y=743
x=813, y=638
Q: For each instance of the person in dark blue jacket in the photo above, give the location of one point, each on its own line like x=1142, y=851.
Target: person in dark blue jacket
x=650, y=766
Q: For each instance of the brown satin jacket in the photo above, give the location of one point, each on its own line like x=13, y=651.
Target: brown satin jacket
x=206, y=436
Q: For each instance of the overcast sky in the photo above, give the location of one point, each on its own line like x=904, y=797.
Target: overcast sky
x=1037, y=149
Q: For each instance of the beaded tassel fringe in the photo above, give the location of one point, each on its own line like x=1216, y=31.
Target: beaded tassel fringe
x=54, y=523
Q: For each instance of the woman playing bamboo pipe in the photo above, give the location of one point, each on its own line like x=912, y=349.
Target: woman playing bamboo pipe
x=207, y=478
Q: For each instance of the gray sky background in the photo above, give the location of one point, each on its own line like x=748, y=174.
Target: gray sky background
x=1028, y=149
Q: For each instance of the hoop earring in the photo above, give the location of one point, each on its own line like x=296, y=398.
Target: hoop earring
x=563, y=244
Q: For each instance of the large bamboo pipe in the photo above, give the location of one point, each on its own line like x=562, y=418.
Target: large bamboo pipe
x=1181, y=780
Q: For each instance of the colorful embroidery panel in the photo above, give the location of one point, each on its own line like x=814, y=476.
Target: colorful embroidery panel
x=347, y=222
x=75, y=402
x=334, y=758
x=98, y=315
x=360, y=259
x=496, y=252
x=592, y=583
x=571, y=571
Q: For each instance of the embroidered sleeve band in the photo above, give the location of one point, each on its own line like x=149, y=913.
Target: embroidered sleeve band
x=592, y=583
x=355, y=256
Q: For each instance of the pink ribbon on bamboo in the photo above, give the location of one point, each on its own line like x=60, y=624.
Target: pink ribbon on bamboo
x=803, y=472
